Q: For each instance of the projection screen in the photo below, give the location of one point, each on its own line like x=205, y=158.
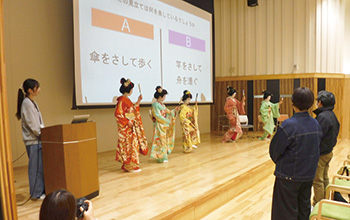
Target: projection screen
x=167, y=43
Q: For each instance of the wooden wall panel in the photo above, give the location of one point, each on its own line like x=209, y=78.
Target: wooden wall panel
x=339, y=86
x=286, y=88
x=336, y=86
x=307, y=82
x=259, y=86
x=311, y=83
x=344, y=101
x=215, y=108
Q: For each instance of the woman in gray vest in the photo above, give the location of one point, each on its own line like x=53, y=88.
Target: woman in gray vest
x=32, y=122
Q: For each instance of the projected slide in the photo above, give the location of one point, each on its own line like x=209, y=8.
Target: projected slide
x=167, y=43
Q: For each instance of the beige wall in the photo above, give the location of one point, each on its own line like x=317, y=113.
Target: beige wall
x=272, y=37
x=39, y=44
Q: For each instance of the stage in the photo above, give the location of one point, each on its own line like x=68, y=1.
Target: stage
x=190, y=186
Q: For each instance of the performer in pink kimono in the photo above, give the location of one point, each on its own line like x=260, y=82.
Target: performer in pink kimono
x=131, y=135
x=233, y=109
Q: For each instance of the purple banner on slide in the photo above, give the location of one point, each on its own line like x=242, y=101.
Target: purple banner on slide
x=186, y=41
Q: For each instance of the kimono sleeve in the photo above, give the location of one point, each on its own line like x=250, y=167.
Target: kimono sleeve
x=275, y=109
x=120, y=114
x=240, y=107
x=195, y=111
x=228, y=108
x=137, y=111
x=183, y=114
x=264, y=111
x=137, y=108
x=174, y=112
x=157, y=114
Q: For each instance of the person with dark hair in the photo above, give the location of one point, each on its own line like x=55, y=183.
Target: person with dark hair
x=131, y=135
x=233, y=109
x=163, y=127
x=32, y=123
x=189, y=123
x=268, y=111
x=330, y=129
x=295, y=149
x=61, y=204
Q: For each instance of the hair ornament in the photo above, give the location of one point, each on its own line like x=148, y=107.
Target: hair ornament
x=188, y=93
x=127, y=83
x=160, y=89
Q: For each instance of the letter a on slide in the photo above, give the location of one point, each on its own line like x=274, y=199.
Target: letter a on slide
x=122, y=24
x=126, y=25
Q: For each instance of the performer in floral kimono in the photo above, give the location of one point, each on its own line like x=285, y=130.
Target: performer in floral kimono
x=189, y=123
x=233, y=109
x=268, y=111
x=131, y=135
x=164, y=127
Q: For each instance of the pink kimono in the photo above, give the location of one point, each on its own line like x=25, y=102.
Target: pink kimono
x=233, y=109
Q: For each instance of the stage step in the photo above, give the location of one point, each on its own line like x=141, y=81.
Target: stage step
x=203, y=205
x=254, y=203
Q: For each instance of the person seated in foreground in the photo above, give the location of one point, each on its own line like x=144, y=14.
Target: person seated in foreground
x=61, y=204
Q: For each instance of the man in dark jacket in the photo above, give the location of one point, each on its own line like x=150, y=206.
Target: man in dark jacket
x=295, y=149
x=330, y=129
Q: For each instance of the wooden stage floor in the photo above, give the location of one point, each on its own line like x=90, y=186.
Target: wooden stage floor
x=189, y=186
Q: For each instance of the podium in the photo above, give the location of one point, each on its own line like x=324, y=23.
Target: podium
x=70, y=159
